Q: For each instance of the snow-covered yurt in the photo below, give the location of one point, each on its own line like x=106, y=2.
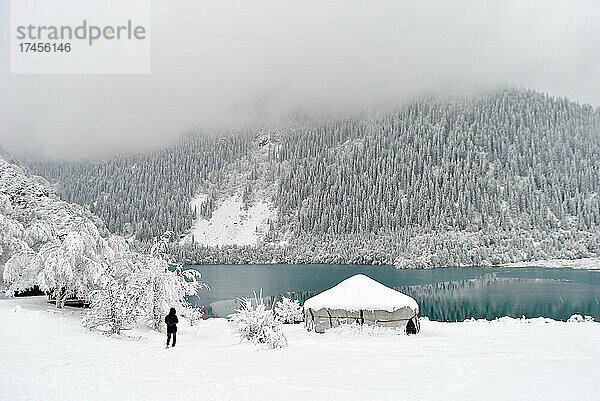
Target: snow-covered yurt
x=360, y=299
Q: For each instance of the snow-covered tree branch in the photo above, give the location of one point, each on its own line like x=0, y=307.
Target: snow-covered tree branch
x=66, y=251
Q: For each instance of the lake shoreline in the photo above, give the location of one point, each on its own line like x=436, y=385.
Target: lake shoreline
x=445, y=294
x=575, y=264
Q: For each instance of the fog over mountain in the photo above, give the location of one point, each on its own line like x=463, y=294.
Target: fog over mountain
x=230, y=64
x=511, y=176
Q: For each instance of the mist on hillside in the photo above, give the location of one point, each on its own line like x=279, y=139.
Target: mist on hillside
x=228, y=64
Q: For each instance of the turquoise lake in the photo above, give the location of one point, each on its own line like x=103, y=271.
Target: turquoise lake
x=444, y=294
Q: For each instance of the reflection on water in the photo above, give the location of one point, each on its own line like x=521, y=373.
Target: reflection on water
x=449, y=294
x=490, y=297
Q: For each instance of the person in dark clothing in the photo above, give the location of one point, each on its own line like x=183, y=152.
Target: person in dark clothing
x=411, y=328
x=171, y=321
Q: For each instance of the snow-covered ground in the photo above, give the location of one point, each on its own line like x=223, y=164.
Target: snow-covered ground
x=46, y=355
x=230, y=224
x=583, y=263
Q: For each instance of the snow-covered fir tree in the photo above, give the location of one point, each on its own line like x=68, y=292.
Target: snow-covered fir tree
x=508, y=176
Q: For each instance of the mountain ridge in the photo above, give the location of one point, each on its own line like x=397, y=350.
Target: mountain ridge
x=506, y=177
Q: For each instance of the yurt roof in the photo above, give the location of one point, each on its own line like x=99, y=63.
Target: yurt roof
x=361, y=292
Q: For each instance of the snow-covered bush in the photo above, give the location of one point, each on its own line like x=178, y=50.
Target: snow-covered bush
x=192, y=314
x=257, y=323
x=288, y=311
x=576, y=318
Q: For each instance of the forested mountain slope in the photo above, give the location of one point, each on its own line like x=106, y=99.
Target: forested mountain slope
x=146, y=194
x=506, y=177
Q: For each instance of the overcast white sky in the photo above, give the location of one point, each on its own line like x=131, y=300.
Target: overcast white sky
x=218, y=63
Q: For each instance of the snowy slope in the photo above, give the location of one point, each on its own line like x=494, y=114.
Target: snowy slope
x=233, y=221
x=47, y=356
x=230, y=224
